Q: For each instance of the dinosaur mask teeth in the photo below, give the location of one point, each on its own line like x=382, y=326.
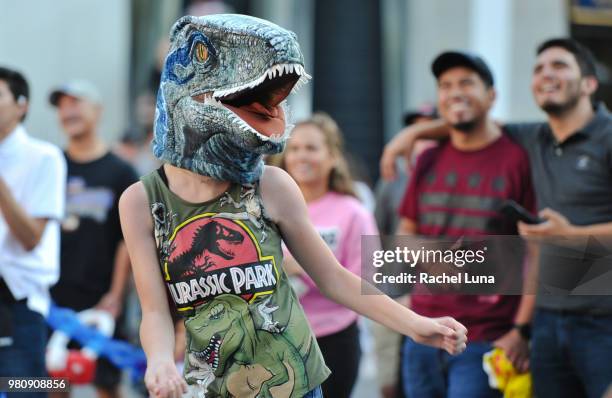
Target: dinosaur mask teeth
x=258, y=104
x=274, y=71
x=258, y=107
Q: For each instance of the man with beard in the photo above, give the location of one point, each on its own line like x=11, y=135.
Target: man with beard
x=455, y=191
x=571, y=160
x=572, y=163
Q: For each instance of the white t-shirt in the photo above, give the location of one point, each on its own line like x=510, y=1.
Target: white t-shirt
x=35, y=173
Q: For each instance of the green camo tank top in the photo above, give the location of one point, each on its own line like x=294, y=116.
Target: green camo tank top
x=247, y=334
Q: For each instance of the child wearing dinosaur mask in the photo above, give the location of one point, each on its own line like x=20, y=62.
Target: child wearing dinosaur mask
x=206, y=228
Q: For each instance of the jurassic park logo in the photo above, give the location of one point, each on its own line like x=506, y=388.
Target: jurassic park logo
x=211, y=256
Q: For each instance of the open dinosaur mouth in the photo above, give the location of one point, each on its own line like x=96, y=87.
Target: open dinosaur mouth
x=211, y=353
x=259, y=104
x=260, y=108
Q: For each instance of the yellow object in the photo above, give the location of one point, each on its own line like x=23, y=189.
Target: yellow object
x=504, y=377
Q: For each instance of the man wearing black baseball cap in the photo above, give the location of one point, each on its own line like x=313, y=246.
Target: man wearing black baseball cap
x=451, y=59
x=446, y=67
x=455, y=191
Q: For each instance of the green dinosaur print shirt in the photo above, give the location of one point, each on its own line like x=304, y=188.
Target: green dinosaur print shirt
x=247, y=335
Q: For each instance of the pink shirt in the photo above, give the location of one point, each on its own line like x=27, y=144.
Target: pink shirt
x=341, y=220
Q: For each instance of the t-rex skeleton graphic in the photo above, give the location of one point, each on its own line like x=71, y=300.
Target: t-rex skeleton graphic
x=253, y=208
x=162, y=221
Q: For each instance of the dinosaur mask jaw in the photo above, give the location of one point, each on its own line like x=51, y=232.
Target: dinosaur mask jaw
x=257, y=106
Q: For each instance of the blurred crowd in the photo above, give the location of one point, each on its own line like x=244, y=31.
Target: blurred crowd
x=446, y=172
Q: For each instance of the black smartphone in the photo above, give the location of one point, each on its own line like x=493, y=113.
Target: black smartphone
x=516, y=212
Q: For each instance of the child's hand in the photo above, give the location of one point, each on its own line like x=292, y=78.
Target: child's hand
x=163, y=380
x=445, y=333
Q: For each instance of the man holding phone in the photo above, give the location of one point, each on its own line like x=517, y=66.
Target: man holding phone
x=516, y=213
x=456, y=190
x=571, y=161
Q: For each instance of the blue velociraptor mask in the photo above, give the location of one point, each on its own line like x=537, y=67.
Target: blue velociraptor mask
x=220, y=105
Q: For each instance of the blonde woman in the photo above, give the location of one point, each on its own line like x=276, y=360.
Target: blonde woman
x=314, y=158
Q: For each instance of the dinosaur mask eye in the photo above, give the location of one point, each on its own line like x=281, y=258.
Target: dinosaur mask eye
x=201, y=52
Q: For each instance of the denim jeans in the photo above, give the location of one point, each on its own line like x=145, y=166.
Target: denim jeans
x=432, y=373
x=571, y=354
x=315, y=393
x=26, y=356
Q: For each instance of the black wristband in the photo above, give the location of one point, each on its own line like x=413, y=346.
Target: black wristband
x=524, y=330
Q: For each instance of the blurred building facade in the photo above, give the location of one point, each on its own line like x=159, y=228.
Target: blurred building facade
x=55, y=41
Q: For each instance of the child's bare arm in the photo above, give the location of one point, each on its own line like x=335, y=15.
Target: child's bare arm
x=156, y=329
x=285, y=204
